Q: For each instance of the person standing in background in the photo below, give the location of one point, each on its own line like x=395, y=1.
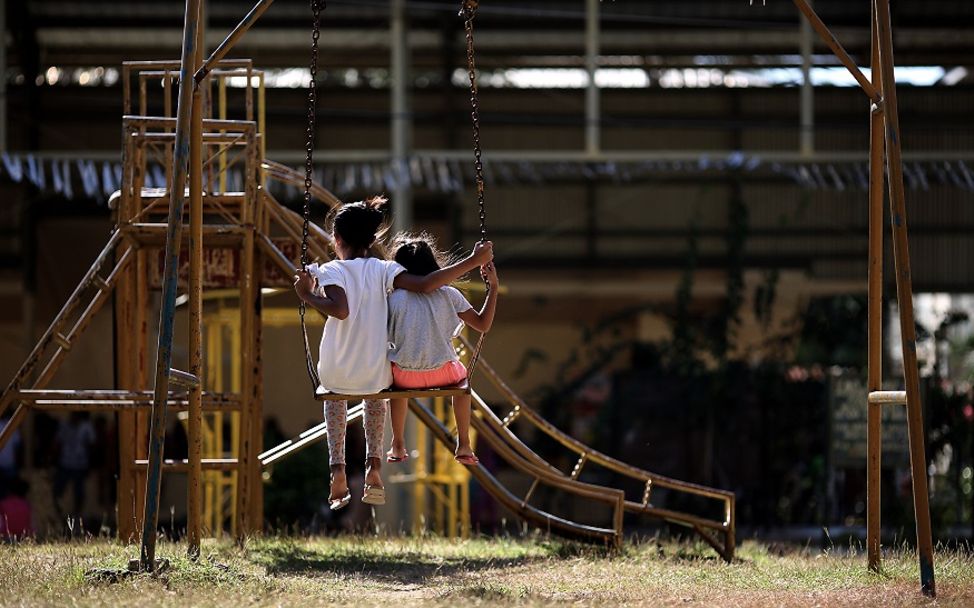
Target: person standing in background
x=74, y=440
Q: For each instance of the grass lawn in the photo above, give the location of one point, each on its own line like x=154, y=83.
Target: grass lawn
x=366, y=571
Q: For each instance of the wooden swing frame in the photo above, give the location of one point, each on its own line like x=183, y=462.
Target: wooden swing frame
x=187, y=162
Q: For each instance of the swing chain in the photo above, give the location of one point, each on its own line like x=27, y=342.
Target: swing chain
x=309, y=146
x=316, y=7
x=468, y=10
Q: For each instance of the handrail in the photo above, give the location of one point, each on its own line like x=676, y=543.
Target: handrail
x=491, y=420
x=287, y=175
x=594, y=455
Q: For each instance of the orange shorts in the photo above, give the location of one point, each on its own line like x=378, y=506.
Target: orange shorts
x=449, y=374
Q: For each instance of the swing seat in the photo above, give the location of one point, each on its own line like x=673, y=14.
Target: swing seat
x=422, y=393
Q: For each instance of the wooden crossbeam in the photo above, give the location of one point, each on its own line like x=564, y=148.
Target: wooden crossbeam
x=214, y=235
x=115, y=400
x=182, y=466
x=887, y=397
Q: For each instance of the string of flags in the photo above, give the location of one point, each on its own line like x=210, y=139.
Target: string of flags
x=71, y=178
x=94, y=179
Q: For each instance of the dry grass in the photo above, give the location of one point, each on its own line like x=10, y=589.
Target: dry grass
x=435, y=572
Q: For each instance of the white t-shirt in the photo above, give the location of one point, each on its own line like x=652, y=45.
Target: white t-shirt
x=353, y=354
x=422, y=325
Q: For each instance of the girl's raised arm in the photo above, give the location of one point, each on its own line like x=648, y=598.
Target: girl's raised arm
x=482, y=254
x=481, y=321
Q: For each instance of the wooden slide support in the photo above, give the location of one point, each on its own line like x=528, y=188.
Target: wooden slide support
x=521, y=505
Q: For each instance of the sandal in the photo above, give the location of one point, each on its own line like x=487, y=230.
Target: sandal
x=396, y=459
x=340, y=503
x=469, y=460
x=374, y=495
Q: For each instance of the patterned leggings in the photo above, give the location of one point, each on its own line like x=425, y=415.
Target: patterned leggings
x=374, y=421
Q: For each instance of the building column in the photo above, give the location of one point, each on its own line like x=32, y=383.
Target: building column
x=401, y=119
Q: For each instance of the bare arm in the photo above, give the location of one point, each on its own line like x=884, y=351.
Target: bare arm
x=482, y=254
x=482, y=321
x=333, y=303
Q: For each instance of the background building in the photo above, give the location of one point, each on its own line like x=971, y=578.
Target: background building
x=665, y=180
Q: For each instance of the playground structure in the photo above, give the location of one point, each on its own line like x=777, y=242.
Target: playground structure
x=265, y=236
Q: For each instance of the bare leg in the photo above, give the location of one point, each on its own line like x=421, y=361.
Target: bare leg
x=397, y=413
x=339, y=483
x=336, y=421
x=374, y=422
x=461, y=411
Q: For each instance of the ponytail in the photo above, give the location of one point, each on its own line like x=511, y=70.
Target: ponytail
x=360, y=224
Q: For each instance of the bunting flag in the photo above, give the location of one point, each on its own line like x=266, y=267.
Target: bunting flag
x=85, y=178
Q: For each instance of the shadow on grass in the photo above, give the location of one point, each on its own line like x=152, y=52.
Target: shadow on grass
x=404, y=567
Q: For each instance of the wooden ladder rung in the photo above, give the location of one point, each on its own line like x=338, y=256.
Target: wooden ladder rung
x=887, y=397
x=62, y=341
x=100, y=283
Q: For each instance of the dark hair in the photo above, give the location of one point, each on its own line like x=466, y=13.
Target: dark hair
x=359, y=224
x=418, y=253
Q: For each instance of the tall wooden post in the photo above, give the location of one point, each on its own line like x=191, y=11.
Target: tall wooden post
x=904, y=298
x=874, y=441
x=167, y=315
x=255, y=386
x=194, y=492
x=248, y=489
x=125, y=331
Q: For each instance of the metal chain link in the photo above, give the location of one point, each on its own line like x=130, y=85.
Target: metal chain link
x=309, y=147
x=468, y=10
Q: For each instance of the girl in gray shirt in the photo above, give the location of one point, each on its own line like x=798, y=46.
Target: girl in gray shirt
x=421, y=329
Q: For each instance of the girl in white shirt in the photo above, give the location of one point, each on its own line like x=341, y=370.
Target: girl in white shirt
x=352, y=292
x=421, y=330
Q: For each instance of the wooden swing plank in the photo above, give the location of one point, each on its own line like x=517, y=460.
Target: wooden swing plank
x=426, y=393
